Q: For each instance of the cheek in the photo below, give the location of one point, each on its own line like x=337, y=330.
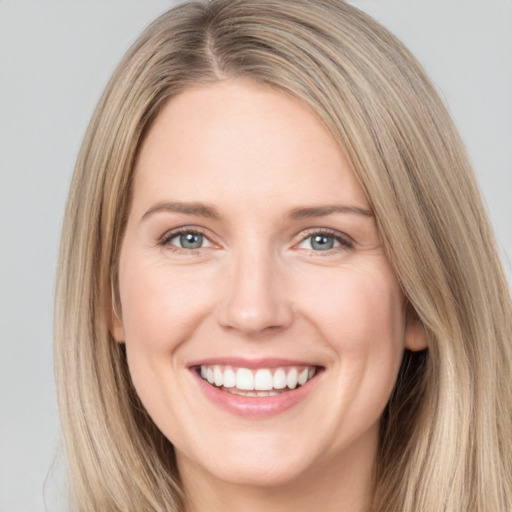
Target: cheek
x=360, y=308
x=160, y=307
x=361, y=319
x=159, y=315
x=360, y=316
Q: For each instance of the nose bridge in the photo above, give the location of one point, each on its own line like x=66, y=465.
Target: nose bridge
x=255, y=299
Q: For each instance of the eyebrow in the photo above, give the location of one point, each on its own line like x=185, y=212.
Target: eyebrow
x=199, y=209
x=209, y=212
x=320, y=211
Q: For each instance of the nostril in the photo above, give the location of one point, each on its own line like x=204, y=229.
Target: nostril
x=265, y=318
x=255, y=299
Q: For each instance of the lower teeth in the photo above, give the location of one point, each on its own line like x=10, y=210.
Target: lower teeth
x=236, y=391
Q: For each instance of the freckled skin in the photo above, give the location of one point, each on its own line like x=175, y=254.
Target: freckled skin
x=257, y=287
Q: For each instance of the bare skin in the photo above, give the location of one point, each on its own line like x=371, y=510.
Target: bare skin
x=251, y=243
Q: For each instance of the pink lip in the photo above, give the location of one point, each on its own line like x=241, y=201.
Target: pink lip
x=254, y=407
x=241, y=362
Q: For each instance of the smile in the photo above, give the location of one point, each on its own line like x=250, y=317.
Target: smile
x=256, y=389
x=261, y=382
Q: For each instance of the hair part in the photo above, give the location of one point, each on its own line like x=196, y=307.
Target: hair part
x=445, y=435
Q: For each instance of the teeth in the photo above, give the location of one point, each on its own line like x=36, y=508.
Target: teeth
x=291, y=378
x=229, y=378
x=267, y=393
x=279, y=379
x=303, y=377
x=217, y=374
x=261, y=382
x=236, y=391
x=244, y=379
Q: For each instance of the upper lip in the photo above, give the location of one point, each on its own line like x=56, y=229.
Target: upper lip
x=240, y=362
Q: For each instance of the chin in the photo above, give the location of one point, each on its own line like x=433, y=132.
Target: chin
x=269, y=474
x=254, y=464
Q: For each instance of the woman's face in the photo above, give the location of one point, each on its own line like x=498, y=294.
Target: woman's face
x=252, y=259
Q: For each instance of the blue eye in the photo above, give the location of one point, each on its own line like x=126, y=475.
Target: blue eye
x=189, y=240
x=323, y=242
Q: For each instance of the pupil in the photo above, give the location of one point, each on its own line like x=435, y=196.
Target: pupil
x=322, y=243
x=191, y=241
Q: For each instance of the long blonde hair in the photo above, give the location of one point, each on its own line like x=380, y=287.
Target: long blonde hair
x=446, y=435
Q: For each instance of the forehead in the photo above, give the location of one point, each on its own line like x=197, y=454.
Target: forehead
x=242, y=140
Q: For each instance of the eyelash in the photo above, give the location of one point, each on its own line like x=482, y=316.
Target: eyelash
x=345, y=242
x=166, y=239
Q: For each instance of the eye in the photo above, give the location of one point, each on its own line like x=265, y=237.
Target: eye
x=324, y=241
x=188, y=240
x=319, y=242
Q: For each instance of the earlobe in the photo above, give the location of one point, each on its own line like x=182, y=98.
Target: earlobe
x=415, y=333
x=117, y=328
x=116, y=323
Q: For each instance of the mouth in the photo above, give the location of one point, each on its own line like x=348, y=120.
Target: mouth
x=256, y=382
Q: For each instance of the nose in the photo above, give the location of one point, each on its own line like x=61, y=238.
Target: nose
x=255, y=300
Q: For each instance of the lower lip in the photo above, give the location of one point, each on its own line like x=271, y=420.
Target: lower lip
x=256, y=407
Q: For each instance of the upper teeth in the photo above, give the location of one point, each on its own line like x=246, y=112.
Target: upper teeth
x=262, y=379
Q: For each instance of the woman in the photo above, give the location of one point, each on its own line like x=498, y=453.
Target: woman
x=278, y=286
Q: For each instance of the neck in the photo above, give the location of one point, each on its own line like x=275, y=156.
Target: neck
x=341, y=484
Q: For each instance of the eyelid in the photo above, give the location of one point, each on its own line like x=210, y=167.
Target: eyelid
x=165, y=239
x=346, y=242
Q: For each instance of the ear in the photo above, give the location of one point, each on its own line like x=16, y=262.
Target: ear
x=415, y=333
x=116, y=321
x=117, y=328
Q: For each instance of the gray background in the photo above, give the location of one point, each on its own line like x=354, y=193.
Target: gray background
x=55, y=58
